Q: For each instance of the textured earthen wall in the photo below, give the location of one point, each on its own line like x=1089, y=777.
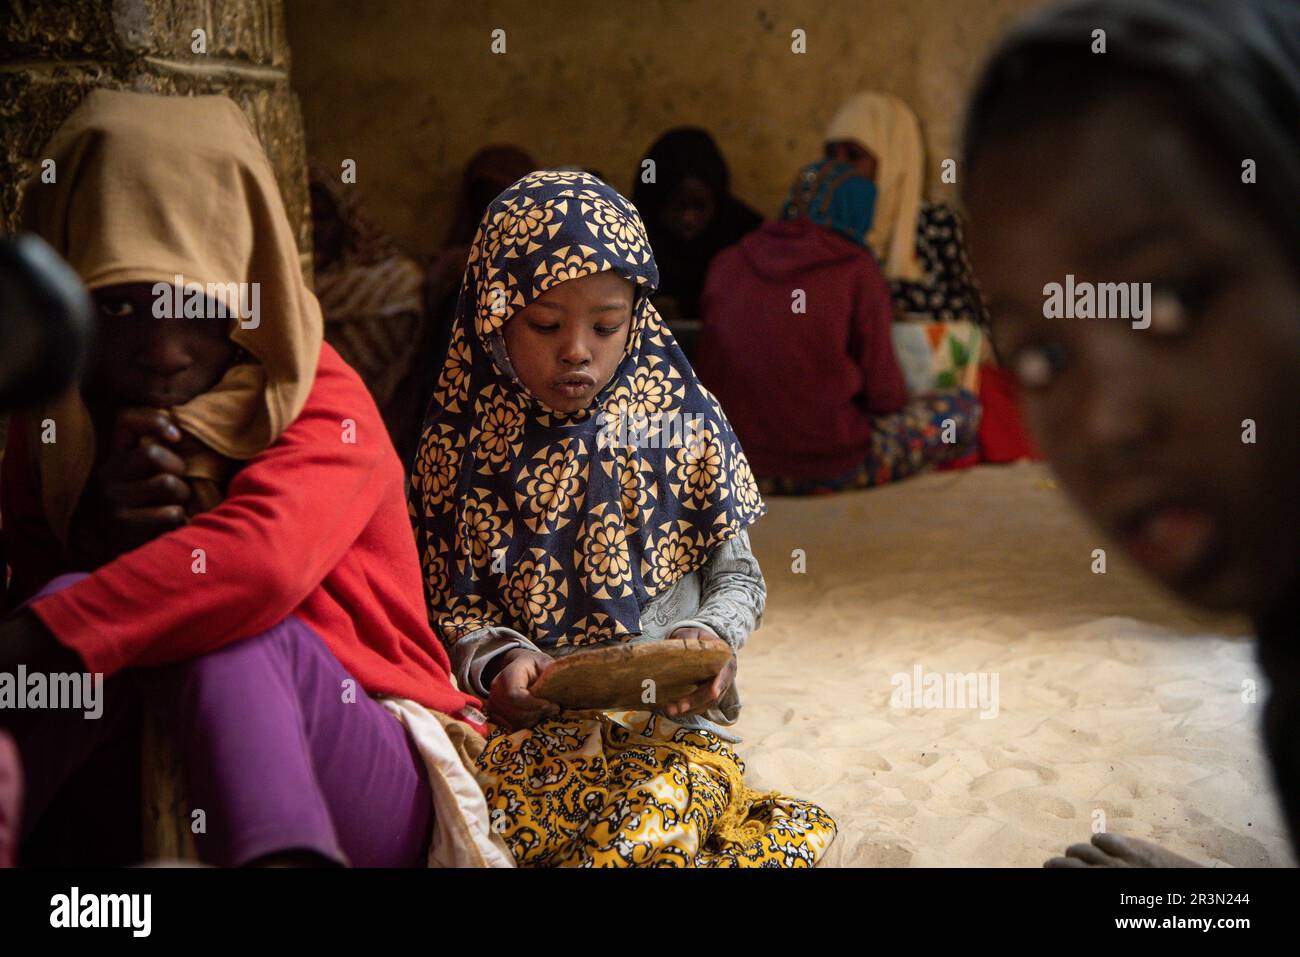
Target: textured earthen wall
x=410, y=88
x=52, y=52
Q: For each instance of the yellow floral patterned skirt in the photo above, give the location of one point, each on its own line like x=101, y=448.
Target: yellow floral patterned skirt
x=634, y=789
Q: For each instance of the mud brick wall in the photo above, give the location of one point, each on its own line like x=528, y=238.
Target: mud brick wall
x=410, y=89
x=52, y=52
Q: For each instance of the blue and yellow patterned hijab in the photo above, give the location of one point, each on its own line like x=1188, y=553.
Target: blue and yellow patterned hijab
x=530, y=517
x=833, y=195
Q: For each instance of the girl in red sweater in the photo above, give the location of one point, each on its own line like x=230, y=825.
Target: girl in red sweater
x=225, y=494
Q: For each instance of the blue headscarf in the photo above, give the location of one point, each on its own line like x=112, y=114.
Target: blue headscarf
x=833, y=195
x=530, y=517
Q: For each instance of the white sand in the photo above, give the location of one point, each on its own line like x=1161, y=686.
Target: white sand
x=1112, y=697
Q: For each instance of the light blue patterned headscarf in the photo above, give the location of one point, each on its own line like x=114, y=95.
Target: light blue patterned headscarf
x=833, y=195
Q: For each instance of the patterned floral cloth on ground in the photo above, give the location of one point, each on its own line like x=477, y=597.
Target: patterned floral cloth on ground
x=634, y=789
x=902, y=444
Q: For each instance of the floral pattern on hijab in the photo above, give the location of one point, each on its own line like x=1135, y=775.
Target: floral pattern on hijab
x=556, y=524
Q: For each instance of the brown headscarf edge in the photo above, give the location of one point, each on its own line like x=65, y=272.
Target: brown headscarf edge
x=148, y=188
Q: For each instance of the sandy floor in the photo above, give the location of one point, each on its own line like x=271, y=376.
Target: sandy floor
x=1112, y=699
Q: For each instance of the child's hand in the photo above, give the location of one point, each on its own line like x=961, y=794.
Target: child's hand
x=706, y=694
x=24, y=640
x=137, y=493
x=509, y=702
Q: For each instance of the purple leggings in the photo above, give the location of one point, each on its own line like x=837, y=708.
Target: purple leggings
x=275, y=752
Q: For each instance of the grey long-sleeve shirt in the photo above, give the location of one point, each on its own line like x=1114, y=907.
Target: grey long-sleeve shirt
x=727, y=596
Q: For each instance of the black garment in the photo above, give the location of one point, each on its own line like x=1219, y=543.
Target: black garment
x=1279, y=657
x=679, y=155
x=683, y=266
x=947, y=293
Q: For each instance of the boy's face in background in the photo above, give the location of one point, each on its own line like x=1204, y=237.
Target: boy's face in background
x=1145, y=426
x=141, y=360
x=566, y=344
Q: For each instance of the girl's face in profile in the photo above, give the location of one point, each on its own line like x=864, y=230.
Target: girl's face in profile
x=1179, y=440
x=853, y=153
x=565, y=345
x=143, y=361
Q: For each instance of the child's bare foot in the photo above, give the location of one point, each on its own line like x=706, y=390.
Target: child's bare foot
x=1112, y=850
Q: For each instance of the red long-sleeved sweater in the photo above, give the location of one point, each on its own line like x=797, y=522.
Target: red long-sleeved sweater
x=315, y=525
x=800, y=388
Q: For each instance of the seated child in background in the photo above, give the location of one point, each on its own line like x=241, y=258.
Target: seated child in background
x=1171, y=159
x=298, y=582
x=370, y=295
x=540, y=537
x=689, y=213
x=878, y=135
x=797, y=346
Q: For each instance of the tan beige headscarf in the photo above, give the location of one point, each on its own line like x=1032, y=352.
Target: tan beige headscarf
x=151, y=187
x=886, y=126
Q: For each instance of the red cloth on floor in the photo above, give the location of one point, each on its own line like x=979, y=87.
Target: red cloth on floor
x=965, y=462
x=315, y=526
x=799, y=388
x=1003, y=435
